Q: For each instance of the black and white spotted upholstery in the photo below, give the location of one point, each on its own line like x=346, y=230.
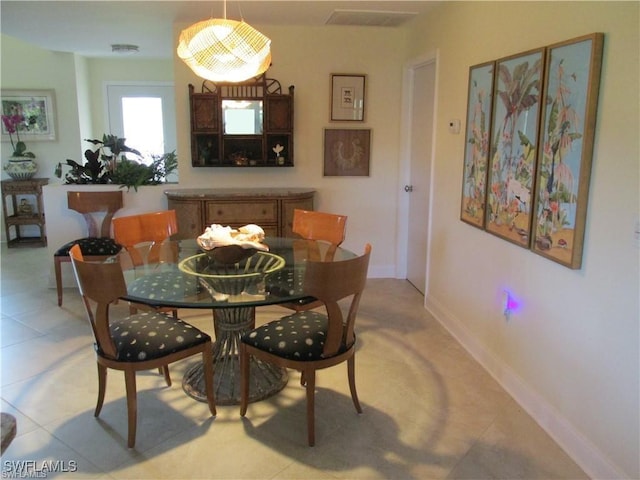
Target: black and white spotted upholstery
x=300, y=336
x=91, y=246
x=150, y=335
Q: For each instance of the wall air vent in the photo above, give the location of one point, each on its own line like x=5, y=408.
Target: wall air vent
x=369, y=18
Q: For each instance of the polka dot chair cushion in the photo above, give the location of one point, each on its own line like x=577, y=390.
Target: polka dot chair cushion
x=164, y=286
x=150, y=335
x=91, y=246
x=300, y=336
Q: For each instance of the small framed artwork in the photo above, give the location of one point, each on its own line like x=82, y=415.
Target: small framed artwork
x=513, y=146
x=347, y=152
x=38, y=109
x=476, y=150
x=572, y=82
x=347, y=97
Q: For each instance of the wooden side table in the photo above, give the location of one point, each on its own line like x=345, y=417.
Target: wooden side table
x=19, y=211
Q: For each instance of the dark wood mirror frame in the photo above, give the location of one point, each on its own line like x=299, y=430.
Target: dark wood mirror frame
x=212, y=147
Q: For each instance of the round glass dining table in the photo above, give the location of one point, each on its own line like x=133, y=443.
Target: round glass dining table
x=180, y=274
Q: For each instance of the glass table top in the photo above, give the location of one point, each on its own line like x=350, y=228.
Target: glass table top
x=180, y=274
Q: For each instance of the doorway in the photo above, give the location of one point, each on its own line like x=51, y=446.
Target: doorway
x=420, y=107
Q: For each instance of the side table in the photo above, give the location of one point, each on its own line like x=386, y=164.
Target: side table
x=19, y=211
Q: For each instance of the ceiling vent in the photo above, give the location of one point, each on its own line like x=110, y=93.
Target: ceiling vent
x=369, y=18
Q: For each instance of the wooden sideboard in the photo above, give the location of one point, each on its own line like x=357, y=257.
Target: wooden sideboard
x=270, y=208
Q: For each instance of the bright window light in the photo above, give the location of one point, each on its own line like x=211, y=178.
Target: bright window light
x=142, y=125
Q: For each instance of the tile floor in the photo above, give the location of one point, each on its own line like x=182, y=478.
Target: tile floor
x=430, y=411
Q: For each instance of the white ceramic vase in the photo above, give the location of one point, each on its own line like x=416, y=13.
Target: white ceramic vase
x=21, y=168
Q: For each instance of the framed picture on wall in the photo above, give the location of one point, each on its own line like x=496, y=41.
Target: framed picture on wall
x=572, y=82
x=38, y=109
x=476, y=150
x=347, y=97
x=347, y=152
x=513, y=146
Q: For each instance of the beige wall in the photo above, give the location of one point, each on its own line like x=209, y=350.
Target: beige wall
x=305, y=58
x=570, y=355
x=574, y=341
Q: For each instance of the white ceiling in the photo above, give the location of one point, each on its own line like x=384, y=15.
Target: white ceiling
x=89, y=28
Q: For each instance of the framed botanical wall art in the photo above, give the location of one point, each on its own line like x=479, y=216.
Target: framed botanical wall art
x=347, y=152
x=476, y=151
x=347, y=97
x=38, y=109
x=572, y=82
x=512, y=151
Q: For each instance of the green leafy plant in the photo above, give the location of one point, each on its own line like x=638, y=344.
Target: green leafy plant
x=108, y=164
x=130, y=173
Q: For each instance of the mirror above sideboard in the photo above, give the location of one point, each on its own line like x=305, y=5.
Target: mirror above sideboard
x=248, y=124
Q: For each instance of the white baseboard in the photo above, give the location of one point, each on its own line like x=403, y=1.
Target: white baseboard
x=580, y=449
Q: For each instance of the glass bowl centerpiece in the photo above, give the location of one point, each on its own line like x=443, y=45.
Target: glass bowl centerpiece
x=233, y=262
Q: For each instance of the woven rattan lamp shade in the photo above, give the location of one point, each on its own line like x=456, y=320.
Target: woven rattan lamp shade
x=224, y=50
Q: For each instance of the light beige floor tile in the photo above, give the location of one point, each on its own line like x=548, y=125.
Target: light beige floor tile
x=38, y=454
x=13, y=331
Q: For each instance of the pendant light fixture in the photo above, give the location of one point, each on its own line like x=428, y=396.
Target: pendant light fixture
x=222, y=50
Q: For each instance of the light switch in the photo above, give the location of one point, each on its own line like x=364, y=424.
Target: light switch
x=454, y=126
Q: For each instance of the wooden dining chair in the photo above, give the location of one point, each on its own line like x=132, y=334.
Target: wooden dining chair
x=326, y=228
x=312, y=340
x=98, y=244
x=143, y=236
x=138, y=342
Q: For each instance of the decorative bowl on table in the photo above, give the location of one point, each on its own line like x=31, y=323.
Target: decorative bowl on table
x=228, y=245
x=231, y=278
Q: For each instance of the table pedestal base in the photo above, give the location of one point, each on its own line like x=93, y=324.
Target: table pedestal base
x=265, y=379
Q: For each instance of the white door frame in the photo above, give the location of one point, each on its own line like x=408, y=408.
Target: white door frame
x=404, y=176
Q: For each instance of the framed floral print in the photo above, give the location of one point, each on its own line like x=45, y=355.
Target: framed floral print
x=38, y=109
x=476, y=151
x=572, y=82
x=513, y=146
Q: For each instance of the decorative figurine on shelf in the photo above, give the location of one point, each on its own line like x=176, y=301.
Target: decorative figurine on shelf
x=25, y=208
x=277, y=149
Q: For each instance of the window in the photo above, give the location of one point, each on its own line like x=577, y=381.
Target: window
x=144, y=114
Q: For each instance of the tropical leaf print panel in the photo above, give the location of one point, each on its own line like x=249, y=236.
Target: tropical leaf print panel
x=513, y=146
x=564, y=165
x=476, y=158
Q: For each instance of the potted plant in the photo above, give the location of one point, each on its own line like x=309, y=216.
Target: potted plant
x=21, y=164
x=108, y=164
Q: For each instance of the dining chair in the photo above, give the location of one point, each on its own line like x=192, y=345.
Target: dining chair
x=313, y=340
x=98, y=244
x=142, y=236
x=138, y=342
x=329, y=228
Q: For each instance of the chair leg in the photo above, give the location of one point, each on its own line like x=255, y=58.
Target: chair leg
x=102, y=386
x=351, y=372
x=58, y=269
x=244, y=379
x=310, y=378
x=132, y=406
x=207, y=361
x=167, y=377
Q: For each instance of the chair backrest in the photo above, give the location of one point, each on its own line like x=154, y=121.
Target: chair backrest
x=89, y=204
x=102, y=283
x=331, y=282
x=313, y=225
x=153, y=228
